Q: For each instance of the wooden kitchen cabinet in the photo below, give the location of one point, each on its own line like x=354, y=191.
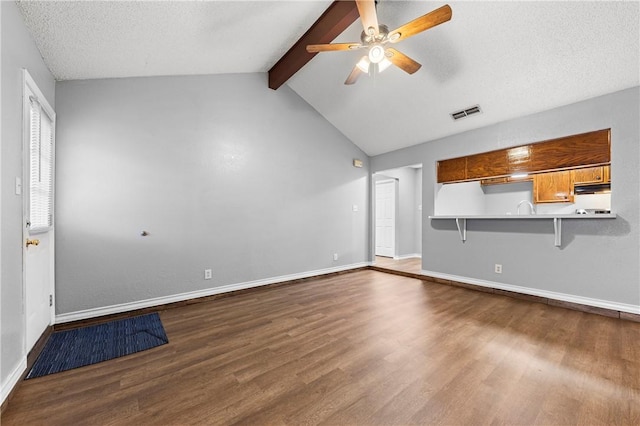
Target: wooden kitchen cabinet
x=453, y=170
x=553, y=187
x=586, y=149
x=589, y=175
x=591, y=149
x=487, y=164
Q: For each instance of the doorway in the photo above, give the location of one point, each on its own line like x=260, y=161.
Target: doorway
x=38, y=206
x=406, y=210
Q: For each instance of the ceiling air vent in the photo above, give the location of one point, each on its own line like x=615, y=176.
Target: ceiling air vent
x=466, y=112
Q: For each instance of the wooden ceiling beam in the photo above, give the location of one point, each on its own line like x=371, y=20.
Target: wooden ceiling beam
x=337, y=18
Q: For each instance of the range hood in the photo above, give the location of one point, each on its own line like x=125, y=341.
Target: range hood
x=600, y=188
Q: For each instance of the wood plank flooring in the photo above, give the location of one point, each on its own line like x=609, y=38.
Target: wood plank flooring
x=412, y=265
x=360, y=348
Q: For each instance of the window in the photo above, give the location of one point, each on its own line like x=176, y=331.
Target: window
x=40, y=134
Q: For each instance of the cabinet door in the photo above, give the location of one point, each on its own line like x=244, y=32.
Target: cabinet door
x=453, y=170
x=589, y=175
x=587, y=149
x=554, y=187
x=487, y=165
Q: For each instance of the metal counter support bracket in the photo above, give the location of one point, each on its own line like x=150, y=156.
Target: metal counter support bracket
x=462, y=228
x=557, y=230
x=461, y=221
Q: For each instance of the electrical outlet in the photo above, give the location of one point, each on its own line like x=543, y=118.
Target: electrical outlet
x=498, y=268
x=335, y=256
x=208, y=274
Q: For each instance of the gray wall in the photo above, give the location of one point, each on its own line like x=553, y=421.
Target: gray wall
x=407, y=236
x=599, y=259
x=222, y=172
x=18, y=51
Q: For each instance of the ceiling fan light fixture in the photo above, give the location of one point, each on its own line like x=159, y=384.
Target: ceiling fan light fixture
x=376, y=53
x=363, y=64
x=376, y=36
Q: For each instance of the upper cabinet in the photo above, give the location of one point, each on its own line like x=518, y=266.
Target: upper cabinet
x=488, y=164
x=454, y=170
x=553, y=187
x=558, y=187
x=592, y=175
x=570, y=152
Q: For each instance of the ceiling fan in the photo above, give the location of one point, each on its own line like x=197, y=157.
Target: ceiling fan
x=376, y=37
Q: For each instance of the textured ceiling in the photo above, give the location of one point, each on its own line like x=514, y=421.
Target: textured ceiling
x=103, y=39
x=512, y=58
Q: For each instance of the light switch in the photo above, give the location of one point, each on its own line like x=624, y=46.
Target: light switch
x=355, y=207
x=419, y=206
x=18, y=186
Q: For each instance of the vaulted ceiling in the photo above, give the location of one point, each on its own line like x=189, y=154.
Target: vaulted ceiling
x=511, y=58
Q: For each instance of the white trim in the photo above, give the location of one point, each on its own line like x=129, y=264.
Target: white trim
x=13, y=379
x=599, y=303
x=29, y=81
x=158, y=301
x=2, y=391
x=386, y=180
x=408, y=256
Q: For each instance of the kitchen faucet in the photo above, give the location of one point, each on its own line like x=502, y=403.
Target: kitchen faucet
x=532, y=209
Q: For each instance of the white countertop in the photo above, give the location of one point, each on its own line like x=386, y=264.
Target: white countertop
x=529, y=216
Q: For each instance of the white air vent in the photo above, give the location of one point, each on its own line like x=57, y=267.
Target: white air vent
x=466, y=112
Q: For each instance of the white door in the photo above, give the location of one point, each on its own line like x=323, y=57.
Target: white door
x=38, y=281
x=386, y=218
x=37, y=194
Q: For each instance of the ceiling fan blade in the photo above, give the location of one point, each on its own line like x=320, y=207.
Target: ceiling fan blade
x=430, y=20
x=355, y=73
x=402, y=61
x=314, y=48
x=368, y=15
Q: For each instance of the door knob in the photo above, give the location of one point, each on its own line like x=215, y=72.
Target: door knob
x=33, y=242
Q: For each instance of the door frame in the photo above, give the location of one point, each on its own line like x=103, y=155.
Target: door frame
x=29, y=85
x=419, y=206
x=395, y=216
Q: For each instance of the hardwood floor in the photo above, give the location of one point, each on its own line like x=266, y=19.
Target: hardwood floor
x=412, y=265
x=359, y=348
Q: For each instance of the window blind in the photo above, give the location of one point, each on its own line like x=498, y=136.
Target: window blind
x=41, y=168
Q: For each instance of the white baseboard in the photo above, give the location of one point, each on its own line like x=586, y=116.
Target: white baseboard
x=408, y=256
x=615, y=306
x=13, y=379
x=158, y=301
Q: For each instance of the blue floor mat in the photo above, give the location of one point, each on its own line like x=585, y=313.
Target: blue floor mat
x=88, y=345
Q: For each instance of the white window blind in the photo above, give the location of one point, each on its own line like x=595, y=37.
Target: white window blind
x=41, y=167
